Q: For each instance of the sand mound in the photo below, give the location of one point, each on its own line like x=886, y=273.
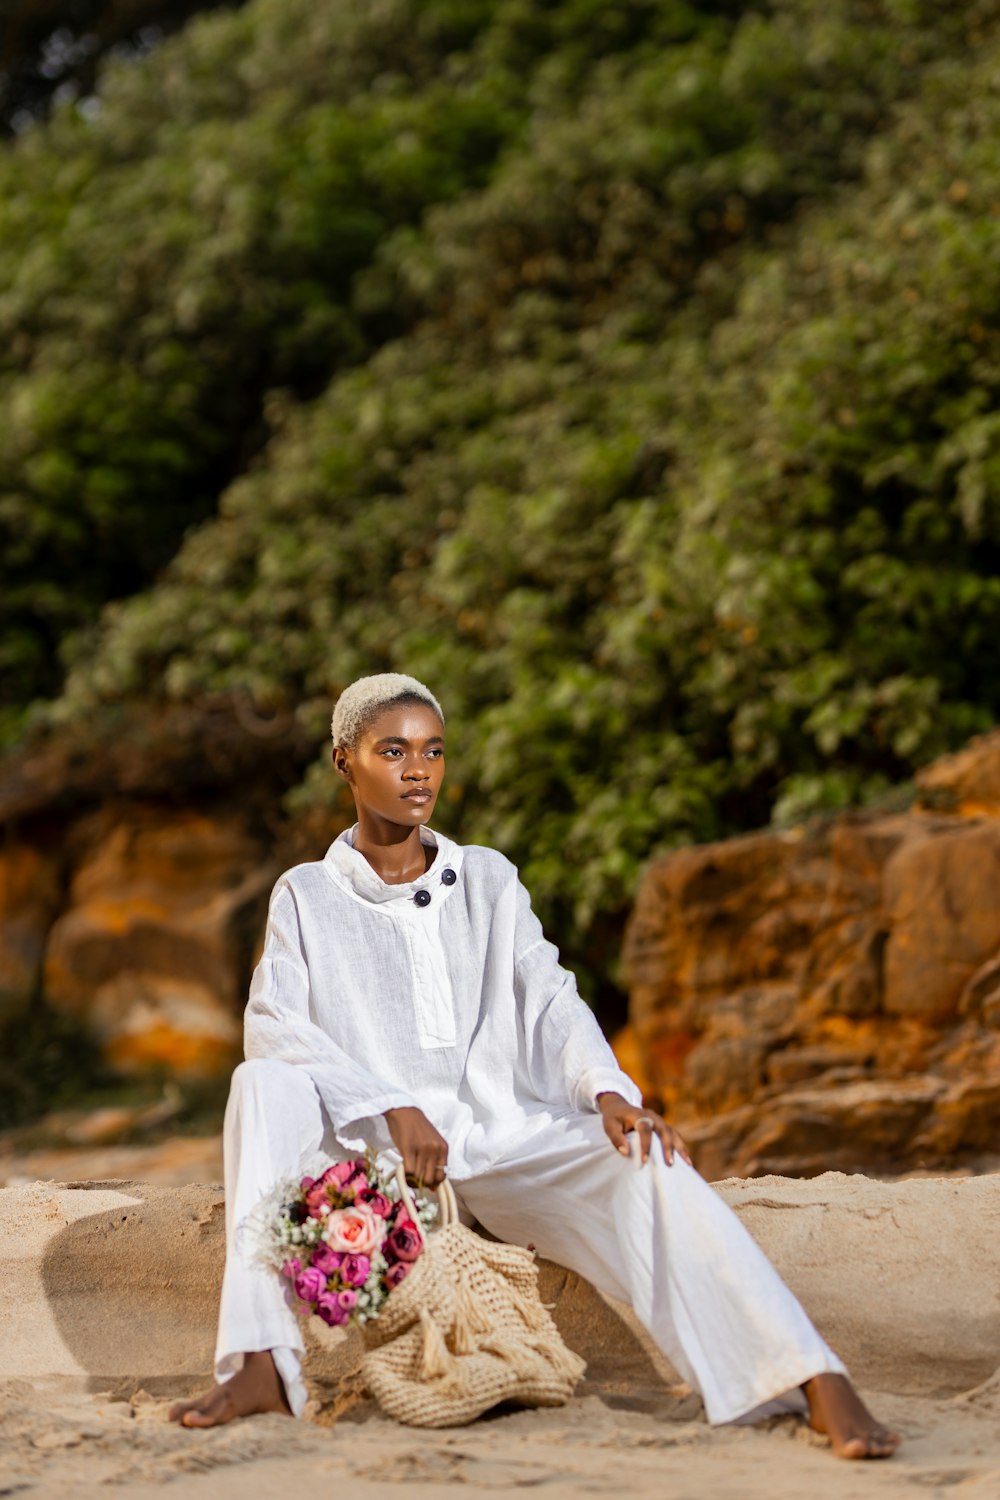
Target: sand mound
x=108, y=1286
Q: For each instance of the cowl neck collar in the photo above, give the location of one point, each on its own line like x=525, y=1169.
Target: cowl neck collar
x=350, y=870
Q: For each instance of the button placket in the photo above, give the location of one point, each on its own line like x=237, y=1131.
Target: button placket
x=432, y=993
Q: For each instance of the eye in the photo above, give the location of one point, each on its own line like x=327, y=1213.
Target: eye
x=391, y=750
x=436, y=754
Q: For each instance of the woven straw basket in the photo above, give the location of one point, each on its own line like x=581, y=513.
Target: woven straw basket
x=465, y=1331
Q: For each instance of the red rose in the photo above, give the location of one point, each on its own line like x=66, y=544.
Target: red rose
x=377, y=1202
x=405, y=1242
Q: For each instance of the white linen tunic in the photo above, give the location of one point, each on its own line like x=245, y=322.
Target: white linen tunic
x=458, y=1006
x=444, y=994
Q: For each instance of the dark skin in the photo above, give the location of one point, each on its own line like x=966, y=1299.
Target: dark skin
x=395, y=773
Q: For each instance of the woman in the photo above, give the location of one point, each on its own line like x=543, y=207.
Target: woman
x=406, y=999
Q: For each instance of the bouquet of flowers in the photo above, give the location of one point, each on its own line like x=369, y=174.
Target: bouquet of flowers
x=343, y=1239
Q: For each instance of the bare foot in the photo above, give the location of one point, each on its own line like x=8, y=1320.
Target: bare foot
x=836, y=1409
x=255, y=1388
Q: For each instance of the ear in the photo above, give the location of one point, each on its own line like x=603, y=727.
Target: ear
x=341, y=762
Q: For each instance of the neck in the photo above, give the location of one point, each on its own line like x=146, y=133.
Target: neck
x=395, y=854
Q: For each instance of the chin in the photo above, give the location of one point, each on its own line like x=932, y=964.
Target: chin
x=413, y=815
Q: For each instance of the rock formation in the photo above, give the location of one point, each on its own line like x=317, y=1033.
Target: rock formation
x=162, y=915
x=134, y=881
x=830, y=997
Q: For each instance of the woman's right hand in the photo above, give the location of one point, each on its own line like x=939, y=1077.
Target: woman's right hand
x=423, y=1148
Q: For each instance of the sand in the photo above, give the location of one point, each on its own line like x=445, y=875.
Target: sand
x=107, y=1297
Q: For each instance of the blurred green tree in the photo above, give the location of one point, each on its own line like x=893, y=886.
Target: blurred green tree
x=632, y=376
x=53, y=49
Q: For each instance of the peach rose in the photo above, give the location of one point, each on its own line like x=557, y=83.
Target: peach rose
x=356, y=1230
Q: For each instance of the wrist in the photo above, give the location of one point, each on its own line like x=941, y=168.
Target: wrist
x=609, y=1099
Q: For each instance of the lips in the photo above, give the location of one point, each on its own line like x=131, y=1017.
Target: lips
x=420, y=796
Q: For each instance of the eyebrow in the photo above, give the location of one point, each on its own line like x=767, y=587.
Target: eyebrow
x=396, y=739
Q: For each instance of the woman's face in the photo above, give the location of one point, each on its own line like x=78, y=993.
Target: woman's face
x=397, y=767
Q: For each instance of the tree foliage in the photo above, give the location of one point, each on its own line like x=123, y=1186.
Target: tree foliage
x=51, y=50
x=168, y=260
x=653, y=421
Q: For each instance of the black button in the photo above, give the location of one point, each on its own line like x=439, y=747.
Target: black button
x=448, y=877
x=422, y=898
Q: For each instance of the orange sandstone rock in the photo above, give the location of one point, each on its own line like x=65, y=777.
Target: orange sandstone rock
x=156, y=943
x=830, y=997
x=30, y=891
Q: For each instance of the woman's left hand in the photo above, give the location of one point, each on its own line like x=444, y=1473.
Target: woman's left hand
x=620, y=1118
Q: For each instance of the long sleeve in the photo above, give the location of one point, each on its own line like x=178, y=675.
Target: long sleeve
x=569, y=1060
x=277, y=1025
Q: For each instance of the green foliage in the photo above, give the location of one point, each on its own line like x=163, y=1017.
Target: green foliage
x=52, y=49
x=47, y=1061
x=167, y=261
x=677, y=470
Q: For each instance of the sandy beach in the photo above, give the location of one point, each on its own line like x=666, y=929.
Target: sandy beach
x=107, y=1302
x=604, y=1442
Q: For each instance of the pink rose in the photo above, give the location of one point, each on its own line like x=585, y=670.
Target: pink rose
x=355, y=1229
x=315, y=1199
x=326, y=1260
x=306, y=1184
x=347, y=1301
x=310, y=1284
x=339, y=1173
x=405, y=1242
x=376, y=1201
x=329, y=1309
x=291, y=1269
x=355, y=1269
x=396, y=1274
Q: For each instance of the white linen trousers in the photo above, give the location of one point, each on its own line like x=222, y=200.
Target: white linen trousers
x=443, y=994
x=655, y=1236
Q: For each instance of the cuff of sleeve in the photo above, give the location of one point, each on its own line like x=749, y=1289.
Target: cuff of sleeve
x=365, y=1125
x=606, y=1081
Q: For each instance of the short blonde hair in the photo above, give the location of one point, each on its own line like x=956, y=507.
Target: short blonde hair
x=366, y=698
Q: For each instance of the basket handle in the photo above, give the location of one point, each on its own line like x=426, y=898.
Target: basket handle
x=446, y=1199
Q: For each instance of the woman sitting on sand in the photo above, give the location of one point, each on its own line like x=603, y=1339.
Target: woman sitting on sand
x=406, y=998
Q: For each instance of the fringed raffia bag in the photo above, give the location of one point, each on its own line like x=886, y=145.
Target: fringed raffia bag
x=465, y=1331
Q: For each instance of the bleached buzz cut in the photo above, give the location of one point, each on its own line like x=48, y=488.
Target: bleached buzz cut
x=366, y=698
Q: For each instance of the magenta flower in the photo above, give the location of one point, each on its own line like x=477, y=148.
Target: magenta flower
x=355, y=1269
x=291, y=1269
x=405, y=1242
x=326, y=1260
x=347, y=1301
x=396, y=1274
x=310, y=1284
x=329, y=1309
x=306, y=1184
